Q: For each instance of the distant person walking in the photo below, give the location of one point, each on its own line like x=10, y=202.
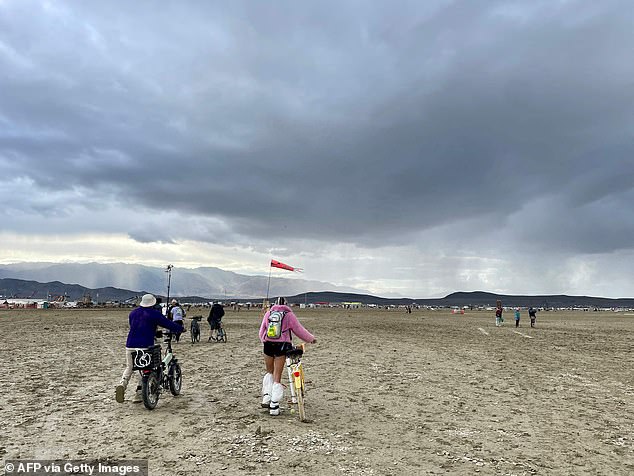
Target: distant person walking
x=532, y=313
x=517, y=317
x=498, y=314
x=215, y=317
x=177, y=314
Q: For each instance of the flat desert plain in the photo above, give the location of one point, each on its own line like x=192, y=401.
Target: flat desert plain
x=388, y=393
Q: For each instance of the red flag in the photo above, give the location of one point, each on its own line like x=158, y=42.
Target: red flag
x=277, y=264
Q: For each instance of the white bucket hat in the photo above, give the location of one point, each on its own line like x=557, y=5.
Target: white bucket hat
x=148, y=300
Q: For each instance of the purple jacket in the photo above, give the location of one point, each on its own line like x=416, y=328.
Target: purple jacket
x=290, y=323
x=143, y=324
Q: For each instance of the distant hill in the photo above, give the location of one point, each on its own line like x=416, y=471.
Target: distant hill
x=475, y=298
x=558, y=300
x=18, y=288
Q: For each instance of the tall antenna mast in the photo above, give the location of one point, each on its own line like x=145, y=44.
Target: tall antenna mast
x=168, y=270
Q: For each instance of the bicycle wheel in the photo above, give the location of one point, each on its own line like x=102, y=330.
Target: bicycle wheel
x=223, y=337
x=150, y=390
x=175, y=377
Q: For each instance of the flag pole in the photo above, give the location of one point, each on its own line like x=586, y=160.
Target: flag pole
x=268, y=286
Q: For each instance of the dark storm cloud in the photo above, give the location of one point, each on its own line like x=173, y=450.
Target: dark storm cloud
x=353, y=122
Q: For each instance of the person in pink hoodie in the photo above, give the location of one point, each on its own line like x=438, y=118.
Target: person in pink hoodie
x=275, y=353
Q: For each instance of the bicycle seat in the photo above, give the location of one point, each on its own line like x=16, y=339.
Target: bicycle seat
x=295, y=352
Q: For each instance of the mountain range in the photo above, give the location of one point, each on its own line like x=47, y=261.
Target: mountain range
x=204, y=281
x=18, y=288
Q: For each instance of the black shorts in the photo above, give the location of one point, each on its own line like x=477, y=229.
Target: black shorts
x=214, y=324
x=277, y=349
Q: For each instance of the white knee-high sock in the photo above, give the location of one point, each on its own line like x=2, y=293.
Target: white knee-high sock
x=277, y=394
x=267, y=384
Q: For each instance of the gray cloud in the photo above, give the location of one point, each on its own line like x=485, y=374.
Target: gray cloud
x=355, y=123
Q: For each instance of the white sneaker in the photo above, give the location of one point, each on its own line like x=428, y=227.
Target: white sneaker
x=274, y=409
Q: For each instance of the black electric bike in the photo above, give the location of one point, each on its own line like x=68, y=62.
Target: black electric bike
x=158, y=372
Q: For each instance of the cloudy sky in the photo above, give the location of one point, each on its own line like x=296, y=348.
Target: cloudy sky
x=405, y=147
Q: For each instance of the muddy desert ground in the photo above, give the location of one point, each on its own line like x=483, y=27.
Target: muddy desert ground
x=389, y=393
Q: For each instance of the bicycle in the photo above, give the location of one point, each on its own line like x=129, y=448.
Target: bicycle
x=158, y=372
x=195, y=329
x=296, y=380
x=221, y=334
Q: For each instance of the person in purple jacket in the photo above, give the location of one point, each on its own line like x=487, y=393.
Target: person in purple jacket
x=275, y=353
x=143, y=323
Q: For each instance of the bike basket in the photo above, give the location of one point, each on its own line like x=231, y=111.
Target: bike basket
x=147, y=359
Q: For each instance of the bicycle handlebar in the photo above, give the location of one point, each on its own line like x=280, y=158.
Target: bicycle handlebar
x=296, y=351
x=167, y=335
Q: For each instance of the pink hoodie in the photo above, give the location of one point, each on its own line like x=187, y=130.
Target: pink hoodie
x=290, y=323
